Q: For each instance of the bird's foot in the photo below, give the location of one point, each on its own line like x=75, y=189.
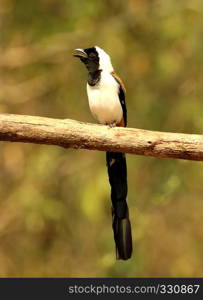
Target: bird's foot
x=111, y=125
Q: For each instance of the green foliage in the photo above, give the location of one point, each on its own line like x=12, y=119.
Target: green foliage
x=55, y=212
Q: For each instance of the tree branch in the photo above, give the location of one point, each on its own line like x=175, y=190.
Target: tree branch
x=73, y=134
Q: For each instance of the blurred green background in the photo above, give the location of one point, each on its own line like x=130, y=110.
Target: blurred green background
x=55, y=216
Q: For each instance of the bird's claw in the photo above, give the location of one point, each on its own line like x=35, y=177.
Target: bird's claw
x=112, y=125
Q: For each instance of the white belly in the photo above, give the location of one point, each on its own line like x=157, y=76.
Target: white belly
x=103, y=99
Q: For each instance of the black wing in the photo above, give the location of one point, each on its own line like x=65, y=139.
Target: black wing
x=123, y=104
x=121, y=96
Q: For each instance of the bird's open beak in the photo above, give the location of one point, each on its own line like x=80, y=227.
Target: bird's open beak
x=80, y=53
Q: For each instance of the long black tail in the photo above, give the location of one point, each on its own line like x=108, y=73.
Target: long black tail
x=117, y=171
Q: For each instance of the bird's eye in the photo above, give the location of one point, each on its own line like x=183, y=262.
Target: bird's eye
x=92, y=55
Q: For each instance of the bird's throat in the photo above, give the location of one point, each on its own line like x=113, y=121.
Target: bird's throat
x=94, y=77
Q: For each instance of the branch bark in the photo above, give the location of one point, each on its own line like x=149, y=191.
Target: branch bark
x=73, y=134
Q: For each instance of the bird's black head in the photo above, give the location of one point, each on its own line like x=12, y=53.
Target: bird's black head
x=90, y=57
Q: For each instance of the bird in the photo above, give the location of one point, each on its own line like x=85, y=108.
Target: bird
x=106, y=96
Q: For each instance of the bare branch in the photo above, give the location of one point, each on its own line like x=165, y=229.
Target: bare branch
x=73, y=134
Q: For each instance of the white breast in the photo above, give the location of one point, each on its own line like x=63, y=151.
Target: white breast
x=103, y=99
